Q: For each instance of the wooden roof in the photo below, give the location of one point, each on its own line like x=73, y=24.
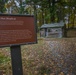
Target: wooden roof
x=53, y=25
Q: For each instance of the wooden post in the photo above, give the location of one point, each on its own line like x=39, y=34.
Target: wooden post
x=16, y=60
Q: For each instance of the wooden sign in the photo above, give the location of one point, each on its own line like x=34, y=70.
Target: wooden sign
x=17, y=29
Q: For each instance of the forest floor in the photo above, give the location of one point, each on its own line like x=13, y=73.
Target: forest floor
x=50, y=56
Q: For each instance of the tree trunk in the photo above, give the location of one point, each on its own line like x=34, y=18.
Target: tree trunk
x=21, y=8
x=49, y=2
x=42, y=16
x=53, y=15
x=35, y=14
x=74, y=16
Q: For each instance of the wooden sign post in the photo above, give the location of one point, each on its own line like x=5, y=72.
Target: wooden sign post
x=17, y=30
x=16, y=60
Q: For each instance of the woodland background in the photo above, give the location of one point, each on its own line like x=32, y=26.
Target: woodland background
x=50, y=56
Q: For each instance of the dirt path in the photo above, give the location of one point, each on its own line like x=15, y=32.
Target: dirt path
x=63, y=54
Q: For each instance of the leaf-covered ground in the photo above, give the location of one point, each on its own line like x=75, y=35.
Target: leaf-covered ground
x=47, y=57
x=50, y=57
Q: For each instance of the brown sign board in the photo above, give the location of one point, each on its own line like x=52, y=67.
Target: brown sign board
x=17, y=29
